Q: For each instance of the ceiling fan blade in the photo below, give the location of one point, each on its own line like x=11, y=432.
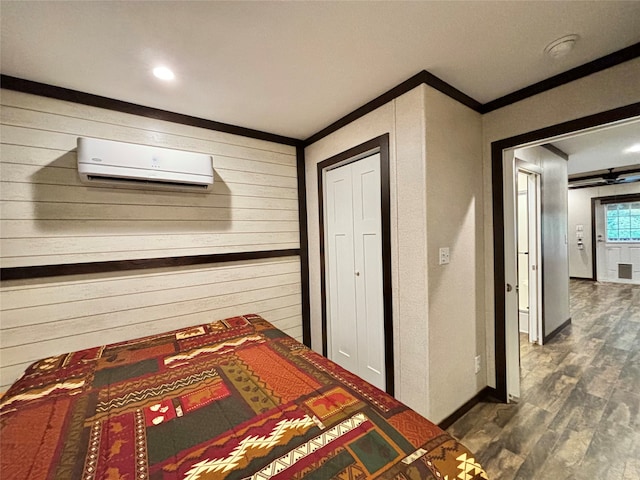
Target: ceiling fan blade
x=590, y=182
x=629, y=178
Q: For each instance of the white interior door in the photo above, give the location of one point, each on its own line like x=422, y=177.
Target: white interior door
x=341, y=282
x=535, y=264
x=528, y=238
x=354, y=260
x=523, y=252
x=512, y=335
x=367, y=223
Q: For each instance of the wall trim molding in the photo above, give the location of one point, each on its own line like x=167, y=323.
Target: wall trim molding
x=621, y=198
x=497, y=147
x=46, y=90
x=487, y=393
x=41, y=271
x=602, y=63
x=552, y=335
x=66, y=94
x=594, y=66
x=404, y=87
x=376, y=145
x=304, y=245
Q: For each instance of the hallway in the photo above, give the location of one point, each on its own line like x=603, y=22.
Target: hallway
x=579, y=415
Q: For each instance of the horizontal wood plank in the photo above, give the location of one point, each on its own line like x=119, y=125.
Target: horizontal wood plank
x=271, y=197
x=44, y=157
x=133, y=308
x=45, y=259
x=104, y=286
x=23, y=247
x=92, y=228
x=10, y=373
x=72, y=128
x=12, y=98
x=11, y=210
x=295, y=332
x=53, y=174
x=110, y=328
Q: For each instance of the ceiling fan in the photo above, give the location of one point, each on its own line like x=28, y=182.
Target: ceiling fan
x=608, y=178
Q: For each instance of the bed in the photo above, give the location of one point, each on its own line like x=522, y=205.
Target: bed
x=232, y=399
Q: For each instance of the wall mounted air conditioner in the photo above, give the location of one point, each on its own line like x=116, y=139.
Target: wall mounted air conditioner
x=127, y=164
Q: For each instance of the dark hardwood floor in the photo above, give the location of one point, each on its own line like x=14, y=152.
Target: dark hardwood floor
x=579, y=412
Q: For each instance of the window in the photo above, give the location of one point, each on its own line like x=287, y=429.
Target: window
x=623, y=222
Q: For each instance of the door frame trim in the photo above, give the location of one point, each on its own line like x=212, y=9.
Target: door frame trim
x=376, y=145
x=497, y=147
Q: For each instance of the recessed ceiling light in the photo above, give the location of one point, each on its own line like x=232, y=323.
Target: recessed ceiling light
x=633, y=148
x=163, y=73
x=562, y=46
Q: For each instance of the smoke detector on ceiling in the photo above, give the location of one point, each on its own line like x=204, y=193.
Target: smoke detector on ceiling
x=562, y=46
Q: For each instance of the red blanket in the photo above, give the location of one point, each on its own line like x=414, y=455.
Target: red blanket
x=234, y=399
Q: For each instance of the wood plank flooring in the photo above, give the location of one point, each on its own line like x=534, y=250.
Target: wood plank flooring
x=579, y=414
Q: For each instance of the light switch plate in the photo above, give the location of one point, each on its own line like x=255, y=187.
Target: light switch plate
x=444, y=255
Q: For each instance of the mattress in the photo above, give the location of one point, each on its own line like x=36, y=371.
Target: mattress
x=232, y=399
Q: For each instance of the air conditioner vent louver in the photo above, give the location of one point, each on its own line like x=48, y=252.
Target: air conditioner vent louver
x=105, y=179
x=115, y=163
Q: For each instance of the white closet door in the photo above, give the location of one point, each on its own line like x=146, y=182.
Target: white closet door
x=341, y=288
x=367, y=230
x=354, y=260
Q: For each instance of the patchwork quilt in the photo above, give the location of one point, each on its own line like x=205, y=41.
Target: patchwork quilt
x=234, y=399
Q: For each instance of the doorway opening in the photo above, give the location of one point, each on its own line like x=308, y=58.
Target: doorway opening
x=505, y=261
x=535, y=195
x=616, y=234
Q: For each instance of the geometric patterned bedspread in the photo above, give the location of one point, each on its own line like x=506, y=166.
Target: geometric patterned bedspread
x=234, y=399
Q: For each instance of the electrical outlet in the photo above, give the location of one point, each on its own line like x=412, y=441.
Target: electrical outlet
x=444, y=255
x=478, y=364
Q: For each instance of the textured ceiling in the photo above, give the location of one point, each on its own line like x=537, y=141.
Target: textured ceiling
x=602, y=148
x=292, y=68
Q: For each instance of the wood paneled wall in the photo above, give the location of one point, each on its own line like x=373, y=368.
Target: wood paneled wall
x=56, y=315
x=48, y=217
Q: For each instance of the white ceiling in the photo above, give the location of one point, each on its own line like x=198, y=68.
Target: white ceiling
x=292, y=68
x=602, y=148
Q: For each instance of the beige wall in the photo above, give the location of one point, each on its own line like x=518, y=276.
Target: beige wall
x=435, y=202
x=48, y=217
x=454, y=220
x=605, y=90
x=403, y=119
x=581, y=261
